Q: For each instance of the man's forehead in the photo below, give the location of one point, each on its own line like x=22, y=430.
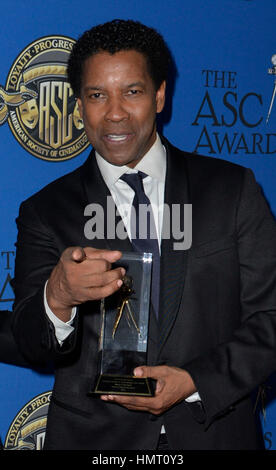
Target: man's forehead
x=126, y=55
x=130, y=65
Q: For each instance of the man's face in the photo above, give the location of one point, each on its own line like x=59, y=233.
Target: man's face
x=118, y=104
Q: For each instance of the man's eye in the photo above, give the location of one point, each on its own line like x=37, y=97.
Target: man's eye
x=134, y=92
x=95, y=95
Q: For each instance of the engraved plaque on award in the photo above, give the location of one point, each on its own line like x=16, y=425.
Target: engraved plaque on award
x=124, y=330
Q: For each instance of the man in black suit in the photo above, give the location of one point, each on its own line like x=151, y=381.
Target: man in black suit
x=213, y=340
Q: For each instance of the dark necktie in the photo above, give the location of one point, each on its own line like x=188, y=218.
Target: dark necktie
x=143, y=230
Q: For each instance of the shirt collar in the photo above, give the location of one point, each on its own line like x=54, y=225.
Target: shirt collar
x=153, y=164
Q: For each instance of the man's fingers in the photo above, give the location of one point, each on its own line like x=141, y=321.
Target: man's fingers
x=150, y=404
x=125, y=400
x=78, y=254
x=104, y=278
x=74, y=253
x=85, y=274
x=106, y=291
x=108, y=255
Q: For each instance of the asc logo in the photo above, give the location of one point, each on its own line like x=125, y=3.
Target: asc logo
x=27, y=431
x=38, y=102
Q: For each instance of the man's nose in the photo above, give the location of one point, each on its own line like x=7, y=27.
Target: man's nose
x=116, y=110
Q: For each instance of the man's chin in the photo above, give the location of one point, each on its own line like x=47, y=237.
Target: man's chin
x=121, y=161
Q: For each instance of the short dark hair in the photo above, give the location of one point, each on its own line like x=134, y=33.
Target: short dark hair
x=115, y=36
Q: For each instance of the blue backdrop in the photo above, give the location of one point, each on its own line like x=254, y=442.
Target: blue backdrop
x=221, y=98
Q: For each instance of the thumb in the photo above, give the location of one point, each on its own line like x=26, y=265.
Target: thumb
x=155, y=372
x=141, y=371
x=78, y=254
x=152, y=372
x=146, y=371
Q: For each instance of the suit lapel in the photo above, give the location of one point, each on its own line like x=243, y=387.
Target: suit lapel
x=173, y=262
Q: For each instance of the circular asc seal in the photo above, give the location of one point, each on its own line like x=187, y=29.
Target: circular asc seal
x=27, y=431
x=38, y=102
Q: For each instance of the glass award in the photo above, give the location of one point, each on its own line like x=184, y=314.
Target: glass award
x=124, y=330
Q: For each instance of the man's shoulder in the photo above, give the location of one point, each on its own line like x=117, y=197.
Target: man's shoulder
x=206, y=165
x=62, y=186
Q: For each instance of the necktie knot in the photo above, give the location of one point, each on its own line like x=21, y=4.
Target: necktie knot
x=135, y=181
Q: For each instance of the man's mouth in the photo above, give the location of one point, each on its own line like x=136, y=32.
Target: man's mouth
x=117, y=137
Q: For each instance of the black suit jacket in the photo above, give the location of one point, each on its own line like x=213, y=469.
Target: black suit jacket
x=9, y=352
x=217, y=308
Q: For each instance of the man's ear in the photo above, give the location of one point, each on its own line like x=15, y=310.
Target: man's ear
x=80, y=107
x=160, y=97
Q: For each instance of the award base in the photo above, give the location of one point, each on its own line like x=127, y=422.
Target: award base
x=112, y=384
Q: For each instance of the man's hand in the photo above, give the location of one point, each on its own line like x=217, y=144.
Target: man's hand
x=82, y=274
x=173, y=385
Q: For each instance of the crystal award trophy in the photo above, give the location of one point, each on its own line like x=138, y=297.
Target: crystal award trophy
x=124, y=330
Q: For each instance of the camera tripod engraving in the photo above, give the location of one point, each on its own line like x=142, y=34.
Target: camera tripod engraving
x=126, y=291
